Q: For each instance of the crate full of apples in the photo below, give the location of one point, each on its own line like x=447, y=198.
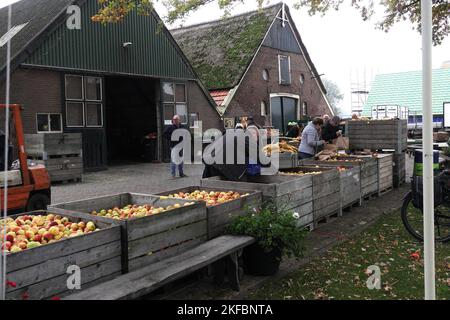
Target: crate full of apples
x=222, y=205
x=153, y=228
x=41, y=246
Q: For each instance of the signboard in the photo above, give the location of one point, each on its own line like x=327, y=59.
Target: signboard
x=392, y=111
x=447, y=114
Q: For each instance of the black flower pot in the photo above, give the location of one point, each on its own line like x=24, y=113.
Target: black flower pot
x=259, y=262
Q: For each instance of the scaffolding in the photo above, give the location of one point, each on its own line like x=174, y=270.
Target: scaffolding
x=359, y=87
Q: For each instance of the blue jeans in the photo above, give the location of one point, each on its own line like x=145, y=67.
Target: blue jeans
x=173, y=167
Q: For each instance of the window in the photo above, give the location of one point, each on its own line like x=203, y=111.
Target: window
x=305, y=108
x=263, y=108
x=48, y=122
x=193, y=120
x=302, y=78
x=265, y=74
x=84, y=107
x=284, y=69
x=175, y=102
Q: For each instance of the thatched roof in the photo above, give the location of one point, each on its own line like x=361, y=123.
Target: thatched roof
x=220, y=51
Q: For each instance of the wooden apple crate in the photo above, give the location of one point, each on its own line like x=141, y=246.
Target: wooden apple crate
x=61, y=153
x=287, y=160
x=369, y=175
x=350, y=180
x=385, y=172
x=149, y=239
x=41, y=272
x=399, y=169
x=377, y=134
x=220, y=215
x=325, y=190
x=290, y=192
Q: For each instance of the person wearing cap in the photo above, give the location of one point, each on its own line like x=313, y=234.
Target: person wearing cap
x=331, y=130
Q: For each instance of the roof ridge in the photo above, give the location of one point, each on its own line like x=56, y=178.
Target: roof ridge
x=223, y=19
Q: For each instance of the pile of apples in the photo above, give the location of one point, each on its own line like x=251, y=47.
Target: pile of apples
x=300, y=173
x=211, y=198
x=29, y=231
x=135, y=211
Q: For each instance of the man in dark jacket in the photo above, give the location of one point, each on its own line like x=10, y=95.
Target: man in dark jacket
x=176, y=124
x=331, y=130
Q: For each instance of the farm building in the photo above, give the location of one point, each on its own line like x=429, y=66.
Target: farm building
x=255, y=64
x=113, y=83
x=404, y=89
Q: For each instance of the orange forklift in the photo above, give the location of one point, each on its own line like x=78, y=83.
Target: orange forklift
x=28, y=183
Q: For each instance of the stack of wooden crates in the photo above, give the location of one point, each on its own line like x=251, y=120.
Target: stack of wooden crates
x=61, y=153
x=387, y=135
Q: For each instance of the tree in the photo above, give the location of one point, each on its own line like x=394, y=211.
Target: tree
x=334, y=95
x=394, y=11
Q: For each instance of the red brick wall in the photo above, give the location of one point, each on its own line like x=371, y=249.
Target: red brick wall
x=254, y=89
x=37, y=91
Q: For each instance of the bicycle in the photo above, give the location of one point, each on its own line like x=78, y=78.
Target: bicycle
x=412, y=208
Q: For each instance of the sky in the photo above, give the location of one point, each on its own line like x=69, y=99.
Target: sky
x=342, y=46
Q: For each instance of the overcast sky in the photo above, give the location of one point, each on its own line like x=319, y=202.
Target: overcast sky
x=341, y=44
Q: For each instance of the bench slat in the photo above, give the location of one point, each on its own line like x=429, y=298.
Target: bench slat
x=147, y=279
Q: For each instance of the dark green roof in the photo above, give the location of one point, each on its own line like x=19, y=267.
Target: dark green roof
x=405, y=89
x=220, y=51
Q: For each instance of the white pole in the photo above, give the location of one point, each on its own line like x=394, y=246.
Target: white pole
x=427, y=132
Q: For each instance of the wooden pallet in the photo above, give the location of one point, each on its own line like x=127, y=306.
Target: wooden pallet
x=326, y=218
x=348, y=207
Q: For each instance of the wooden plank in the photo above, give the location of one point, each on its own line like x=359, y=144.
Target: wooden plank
x=57, y=286
x=146, y=260
x=145, y=280
x=153, y=243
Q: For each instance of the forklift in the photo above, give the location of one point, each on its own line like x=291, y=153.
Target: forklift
x=28, y=183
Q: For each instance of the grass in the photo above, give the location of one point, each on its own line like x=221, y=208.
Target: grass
x=341, y=272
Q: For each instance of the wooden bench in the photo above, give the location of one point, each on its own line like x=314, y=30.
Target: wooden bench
x=147, y=279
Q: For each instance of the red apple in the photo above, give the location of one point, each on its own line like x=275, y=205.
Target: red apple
x=53, y=223
x=22, y=245
x=7, y=245
x=9, y=237
x=48, y=236
x=37, y=238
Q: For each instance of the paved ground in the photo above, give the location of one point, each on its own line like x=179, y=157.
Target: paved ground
x=140, y=178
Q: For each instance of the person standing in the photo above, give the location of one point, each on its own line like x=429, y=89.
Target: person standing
x=176, y=124
x=331, y=130
x=310, y=139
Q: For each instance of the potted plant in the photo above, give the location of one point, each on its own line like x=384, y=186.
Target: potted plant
x=277, y=234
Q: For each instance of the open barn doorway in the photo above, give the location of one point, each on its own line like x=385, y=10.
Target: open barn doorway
x=131, y=118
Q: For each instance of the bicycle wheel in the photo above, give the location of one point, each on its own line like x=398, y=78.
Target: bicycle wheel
x=412, y=218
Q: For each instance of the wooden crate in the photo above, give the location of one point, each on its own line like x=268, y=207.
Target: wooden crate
x=326, y=190
x=350, y=179
x=61, y=153
x=385, y=172
x=377, y=134
x=290, y=192
x=220, y=215
x=149, y=239
x=41, y=272
x=287, y=160
x=399, y=169
x=369, y=175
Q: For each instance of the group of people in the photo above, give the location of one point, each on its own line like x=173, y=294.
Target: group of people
x=317, y=133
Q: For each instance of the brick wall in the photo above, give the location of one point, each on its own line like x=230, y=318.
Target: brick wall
x=199, y=103
x=37, y=91
x=254, y=89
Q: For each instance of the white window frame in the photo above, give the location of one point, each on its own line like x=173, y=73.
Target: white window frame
x=279, y=70
x=65, y=87
x=101, y=89
x=84, y=122
x=101, y=112
x=176, y=102
x=49, y=122
x=263, y=108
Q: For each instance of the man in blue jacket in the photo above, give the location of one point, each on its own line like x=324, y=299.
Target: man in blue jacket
x=176, y=124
